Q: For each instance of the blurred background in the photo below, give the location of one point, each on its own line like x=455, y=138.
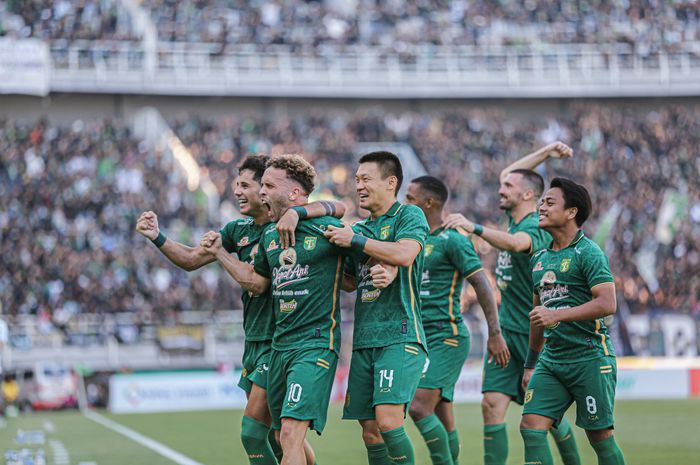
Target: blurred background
x=113, y=107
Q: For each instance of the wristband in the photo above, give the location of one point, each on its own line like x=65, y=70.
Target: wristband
x=478, y=229
x=301, y=211
x=531, y=359
x=160, y=240
x=358, y=242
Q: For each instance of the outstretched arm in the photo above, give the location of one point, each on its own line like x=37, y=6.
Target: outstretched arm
x=534, y=159
x=518, y=242
x=496, y=345
x=287, y=224
x=186, y=257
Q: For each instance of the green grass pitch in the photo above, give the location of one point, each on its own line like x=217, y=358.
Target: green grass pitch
x=649, y=433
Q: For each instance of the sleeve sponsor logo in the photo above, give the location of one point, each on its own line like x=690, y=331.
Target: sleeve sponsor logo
x=272, y=245
x=243, y=242
x=538, y=266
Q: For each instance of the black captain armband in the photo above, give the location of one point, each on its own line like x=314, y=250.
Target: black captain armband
x=160, y=240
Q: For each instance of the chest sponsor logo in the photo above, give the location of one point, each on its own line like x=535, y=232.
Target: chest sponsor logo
x=538, y=267
x=244, y=241
x=288, y=275
x=550, y=277
x=504, y=261
x=272, y=245
x=384, y=232
x=288, y=306
x=288, y=258
x=565, y=265
x=309, y=242
x=428, y=249
x=370, y=295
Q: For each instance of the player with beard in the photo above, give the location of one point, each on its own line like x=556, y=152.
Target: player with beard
x=520, y=190
x=450, y=258
x=241, y=237
x=304, y=281
x=573, y=291
x=389, y=348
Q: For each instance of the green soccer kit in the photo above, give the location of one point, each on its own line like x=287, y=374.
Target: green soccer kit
x=241, y=237
x=389, y=346
x=577, y=363
x=449, y=259
x=514, y=281
x=305, y=288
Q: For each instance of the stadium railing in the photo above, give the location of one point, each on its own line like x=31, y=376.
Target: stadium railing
x=544, y=70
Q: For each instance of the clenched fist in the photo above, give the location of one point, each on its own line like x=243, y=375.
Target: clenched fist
x=147, y=225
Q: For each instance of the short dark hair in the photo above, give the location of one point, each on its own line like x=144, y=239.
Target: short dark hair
x=389, y=165
x=575, y=196
x=297, y=169
x=434, y=186
x=256, y=164
x=533, y=179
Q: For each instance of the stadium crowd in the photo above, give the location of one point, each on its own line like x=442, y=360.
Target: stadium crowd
x=394, y=26
x=70, y=196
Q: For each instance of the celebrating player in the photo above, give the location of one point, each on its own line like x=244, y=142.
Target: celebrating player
x=574, y=291
x=449, y=259
x=389, y=348
x=241, y=237
x=520, y=190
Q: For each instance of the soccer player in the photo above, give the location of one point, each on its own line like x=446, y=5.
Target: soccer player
x=449, y=259
x=389, y=347
x=305, y=281
x=241, y=237
x=574, y=291
x=520, y=190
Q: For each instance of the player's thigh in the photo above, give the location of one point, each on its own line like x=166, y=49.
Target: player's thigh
x=507, y=380
x=260, y=363
x=546, y=394
x=593, y=388
x=256, y=407
x=397, y=372
x=310, y=375
x=277, y=385
x=360, y=392
x=445, y=362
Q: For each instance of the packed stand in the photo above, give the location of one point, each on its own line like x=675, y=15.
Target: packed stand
x=69, y=199
x=622, y=155
x=404, y=27
x=67, y=21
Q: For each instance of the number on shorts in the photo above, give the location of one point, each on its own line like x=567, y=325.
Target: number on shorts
x=294, y=392
x=387, y=375
x=591, y=405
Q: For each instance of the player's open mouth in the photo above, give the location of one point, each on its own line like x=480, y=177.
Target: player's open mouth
x=364, y=196
x=242, y=201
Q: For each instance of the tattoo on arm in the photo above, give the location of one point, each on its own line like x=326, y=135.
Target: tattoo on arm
x=487, y=300
x=329, y=207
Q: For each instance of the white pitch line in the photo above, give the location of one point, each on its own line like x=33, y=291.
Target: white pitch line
x=155, y=446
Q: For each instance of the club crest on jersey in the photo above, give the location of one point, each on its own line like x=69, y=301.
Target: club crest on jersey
x=528, y=395
x=272, y=245
x=309, y=242
x=565, y=265
x=288, y=258
x=428, y=249
x=549, y=277
x=384, y=232
x=538, y=267
x=243, y=242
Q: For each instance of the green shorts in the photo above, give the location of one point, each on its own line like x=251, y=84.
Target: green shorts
x=299, y=385
x=382, y=375
x=256, y=360
x=445, y=362
x=507, y=380
x=591, y=384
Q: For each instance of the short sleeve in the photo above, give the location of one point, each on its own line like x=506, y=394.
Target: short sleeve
x=412, y=225
x=596, y=268
x=539, y=237
x=462, y=254
x=228, y=236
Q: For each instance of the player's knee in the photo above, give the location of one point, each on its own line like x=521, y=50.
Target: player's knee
x=595, y=436
x=528, y=422
x=418, y=410
x=370, y=433
x=491, y=410
x=292, y=432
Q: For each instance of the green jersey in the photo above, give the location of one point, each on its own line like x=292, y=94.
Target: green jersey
x=513, y=275
x=564, y=279
x=305, y=284
x=449, y=259
x=391, y=315
x=242, y=237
